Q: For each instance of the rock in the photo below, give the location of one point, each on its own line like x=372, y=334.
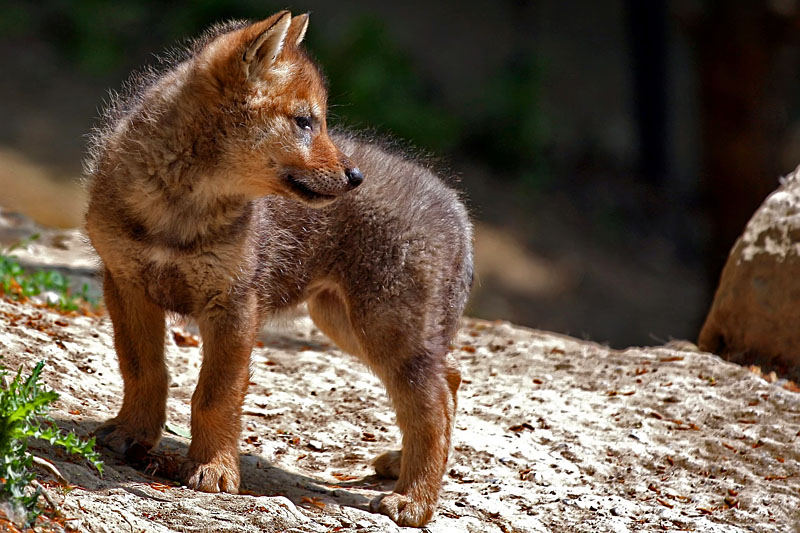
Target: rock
x=755, y=314
x=704, y=427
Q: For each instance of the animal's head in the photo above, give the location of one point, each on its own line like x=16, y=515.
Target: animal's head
x=270, y=105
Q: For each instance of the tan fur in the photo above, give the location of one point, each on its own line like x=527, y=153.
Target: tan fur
x=217, y=192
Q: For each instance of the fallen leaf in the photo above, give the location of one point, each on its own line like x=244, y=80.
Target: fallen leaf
x=791, y=386
x=159, y=486
x=665, y=503
x=316, y=502
x=731, y=503
x=777, y=478
x=341, y=476
x=185, y=340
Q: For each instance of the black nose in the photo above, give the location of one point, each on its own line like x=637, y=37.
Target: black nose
x=354, y=177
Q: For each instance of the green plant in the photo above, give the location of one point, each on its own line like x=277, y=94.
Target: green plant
x=17, y=284
x=23, y=415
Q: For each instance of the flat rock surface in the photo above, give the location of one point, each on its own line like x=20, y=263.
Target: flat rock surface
x=552, y=434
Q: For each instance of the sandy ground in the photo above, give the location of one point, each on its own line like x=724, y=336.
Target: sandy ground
x=552, y=433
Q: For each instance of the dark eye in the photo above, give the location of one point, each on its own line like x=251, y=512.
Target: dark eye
x=304, y=123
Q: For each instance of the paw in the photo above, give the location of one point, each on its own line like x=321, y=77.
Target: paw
x=217, y=475
x=402, y=509
x=126, y=440
x=387, y=465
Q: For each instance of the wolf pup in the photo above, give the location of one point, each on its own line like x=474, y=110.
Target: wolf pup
x=217, y=192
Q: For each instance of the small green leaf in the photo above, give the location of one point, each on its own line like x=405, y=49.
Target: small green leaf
x=178, y=430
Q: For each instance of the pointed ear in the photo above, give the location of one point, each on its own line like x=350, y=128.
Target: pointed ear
x=297, y=30
x=267, y=44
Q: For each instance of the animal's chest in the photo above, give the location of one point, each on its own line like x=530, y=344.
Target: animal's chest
x=186, y=284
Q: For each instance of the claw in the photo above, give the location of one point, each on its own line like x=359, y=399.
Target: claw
x=121, y=439
x=402, y=509
x=214, y=476
x=135, y=452
x=103, y=432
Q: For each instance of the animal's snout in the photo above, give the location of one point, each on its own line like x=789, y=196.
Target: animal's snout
x=354, y=177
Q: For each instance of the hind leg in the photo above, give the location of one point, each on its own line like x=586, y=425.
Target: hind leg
x=424, y=405
x=422, y=383
x=330, y=314
x=388, y=463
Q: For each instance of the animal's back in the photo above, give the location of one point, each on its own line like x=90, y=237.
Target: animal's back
x=403, y=235
x=406, y=215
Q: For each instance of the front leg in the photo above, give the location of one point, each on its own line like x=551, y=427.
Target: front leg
x=139, y=341
x=228, y=334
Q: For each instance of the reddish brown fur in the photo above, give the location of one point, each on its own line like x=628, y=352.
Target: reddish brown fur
x=213, y=196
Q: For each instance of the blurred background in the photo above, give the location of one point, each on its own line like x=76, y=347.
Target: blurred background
x=610, y=151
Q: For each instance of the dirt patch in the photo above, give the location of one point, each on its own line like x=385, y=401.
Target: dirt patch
x=553, y=434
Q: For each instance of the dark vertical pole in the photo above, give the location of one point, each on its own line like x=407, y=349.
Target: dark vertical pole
x=647, y=33
x=735, y=49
